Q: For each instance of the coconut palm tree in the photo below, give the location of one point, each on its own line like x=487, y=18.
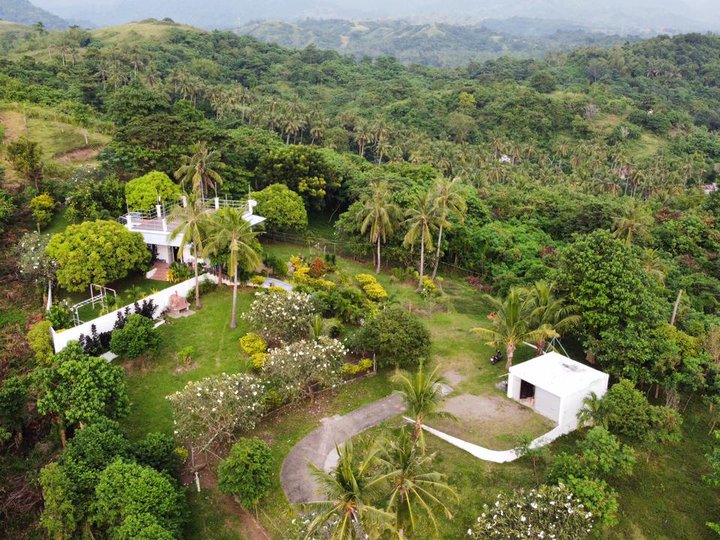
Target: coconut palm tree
x=422, y=396
x=200, y=170
x=591, y=414
x=634, y=222
x=547, y=310
x=190, y=223
x=511, y=323
x=229, y=233
x=421, y=218
x=349, y=489
x=415, y=488
x=653, y=265
x=447, y=201
x=379, y=216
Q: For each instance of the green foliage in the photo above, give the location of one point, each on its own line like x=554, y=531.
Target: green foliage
x=302, y=169
x=253, y=344
x=549, y=511
x=346, y=303
x=42, y=209
x=247, y=473
x=145, y=192
x=92, y=196
x=59, y=317
x=60, y=516
x=159, y=451
x=128, y=490
x=137, y=337
x=12, y=317
x=604, y=455
x=598, y=498
x=26, y=158
x=96, y=252
x=13, y=405
x=283, y=209
x=40, y=342
x=396, y=336
x=7, y=208
x=277, y=265
x=81, y=389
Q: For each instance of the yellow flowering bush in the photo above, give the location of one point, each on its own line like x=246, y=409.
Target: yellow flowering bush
x=258, y=281
x=372, y=288
x=258, y=360
x=253, y=344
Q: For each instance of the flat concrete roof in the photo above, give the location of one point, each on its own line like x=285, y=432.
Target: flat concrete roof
x=557, y=374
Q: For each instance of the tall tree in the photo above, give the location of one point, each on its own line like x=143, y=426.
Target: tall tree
x=422, y=395
x=415, y=487
x=190, y=224
x=549, y=311
x=200, y=170
x=634, y=222
x=229, y=233
x=380, y=216
x=448, y=202
x=350, y=489
x=421, y=218
x=511, y=323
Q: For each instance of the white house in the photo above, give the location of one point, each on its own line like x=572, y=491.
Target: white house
x=555, y=386
x=156, y=226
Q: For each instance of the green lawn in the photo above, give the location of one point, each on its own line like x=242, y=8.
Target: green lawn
x=129, y=289
x=217, y=350
x=666, y=499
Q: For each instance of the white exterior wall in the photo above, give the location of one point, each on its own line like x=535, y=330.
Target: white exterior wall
x=573, y=404
x=106, y=322
x=165, y=254
x=513, y=388
x=547, y=404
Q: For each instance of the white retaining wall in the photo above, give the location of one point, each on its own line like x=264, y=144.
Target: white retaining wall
x=106, y=322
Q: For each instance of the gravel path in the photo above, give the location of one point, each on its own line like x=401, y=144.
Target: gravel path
x=318, y=447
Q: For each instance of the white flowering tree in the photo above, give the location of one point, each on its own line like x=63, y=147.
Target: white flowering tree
x=284, y=317
x=214, y=410
x=301, y=368
x=546, y=512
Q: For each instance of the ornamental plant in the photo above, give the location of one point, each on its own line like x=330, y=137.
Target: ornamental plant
x=214, y=410
x=546, y=512
x=371, y=287
x=135, y=338
x=302, y=276
x=247, y=472
x=302, y=368
x=282, y=317
x=42, y=210
x=40, y=342
x=253, y=344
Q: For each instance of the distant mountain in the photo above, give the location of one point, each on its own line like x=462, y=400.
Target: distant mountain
x=614, y=16
x=432, y=44
x=22, y=11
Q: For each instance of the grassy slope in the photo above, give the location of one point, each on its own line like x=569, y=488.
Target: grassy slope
x=130, y=32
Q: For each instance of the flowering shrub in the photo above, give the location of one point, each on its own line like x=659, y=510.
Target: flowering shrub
x=296, y=262
x=546, y=512
x=301, y=368
x=372, y=288
x=302, y=276
x=285, y=317
x=350, y=370
x=429, y=287
x=365, y=279
x=258, y=281
x=317, y=268
x=258, y=360
x=253, y=344
x=213, y=410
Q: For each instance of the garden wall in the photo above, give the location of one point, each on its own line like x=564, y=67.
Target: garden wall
x=106, y=322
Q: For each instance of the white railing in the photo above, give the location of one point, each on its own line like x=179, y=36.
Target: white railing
x=106, y=323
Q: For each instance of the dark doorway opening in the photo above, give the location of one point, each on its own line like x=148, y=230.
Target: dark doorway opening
x=527, y=390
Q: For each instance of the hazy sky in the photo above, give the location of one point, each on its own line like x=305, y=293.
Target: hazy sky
x=617, y=14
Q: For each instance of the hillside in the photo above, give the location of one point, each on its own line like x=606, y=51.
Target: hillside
x=431, y=44
x=22, y=11
x=146, y=30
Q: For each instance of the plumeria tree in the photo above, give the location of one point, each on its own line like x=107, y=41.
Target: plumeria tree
x=213, y=410
x=301, y=368
x=284, y=317
x=546, y=512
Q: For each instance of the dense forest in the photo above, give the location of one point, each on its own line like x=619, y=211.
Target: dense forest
x=593, y=170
